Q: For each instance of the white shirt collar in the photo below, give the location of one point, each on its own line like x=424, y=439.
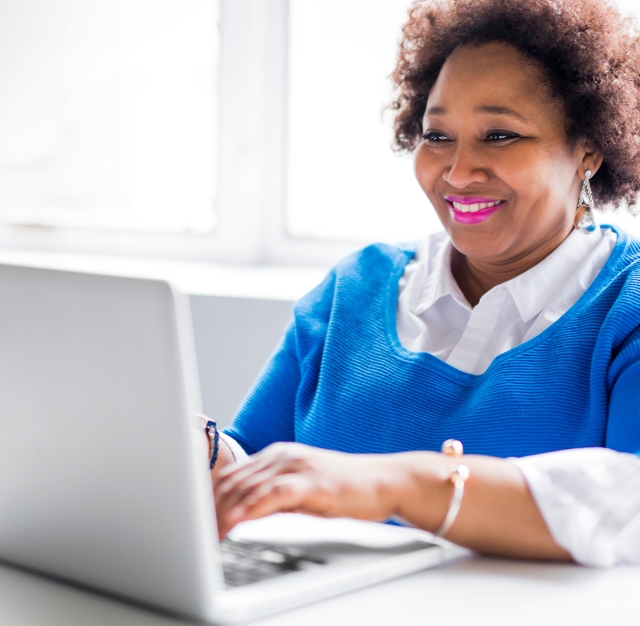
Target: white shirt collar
x=440, y=283
x=531, y=291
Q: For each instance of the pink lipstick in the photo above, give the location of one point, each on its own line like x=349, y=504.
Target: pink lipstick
x=472, y=209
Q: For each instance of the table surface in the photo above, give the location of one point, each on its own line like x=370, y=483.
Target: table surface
x=471, y=590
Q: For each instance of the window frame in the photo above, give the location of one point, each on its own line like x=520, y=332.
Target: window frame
x=251, y=164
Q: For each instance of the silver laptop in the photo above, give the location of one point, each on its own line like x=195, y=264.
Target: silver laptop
x=103, y=469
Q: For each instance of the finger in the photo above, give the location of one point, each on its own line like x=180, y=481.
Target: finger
x=273, y=461
x=241, y=489
x=268, y=497
x=227, y=491
x=240, y=483
x=229, y=511
x=233, y=473
x=273, y=454
x=282, y=493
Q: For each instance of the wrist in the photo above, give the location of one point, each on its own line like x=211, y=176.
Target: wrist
x=427, y=489
x=225, y=457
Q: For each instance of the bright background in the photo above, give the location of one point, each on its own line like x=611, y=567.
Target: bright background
x=237, y=131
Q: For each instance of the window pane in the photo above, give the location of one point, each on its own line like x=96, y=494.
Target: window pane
x=108, y=113
x=343, y=180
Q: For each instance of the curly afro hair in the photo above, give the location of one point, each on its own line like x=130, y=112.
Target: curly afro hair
x=590, y=53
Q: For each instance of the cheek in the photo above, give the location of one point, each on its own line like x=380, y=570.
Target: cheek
x=427, y=170
x=535, y=176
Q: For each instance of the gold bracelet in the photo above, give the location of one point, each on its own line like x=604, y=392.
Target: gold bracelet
x=458, y=476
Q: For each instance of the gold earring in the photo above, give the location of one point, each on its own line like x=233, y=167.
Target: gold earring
x=584, y=220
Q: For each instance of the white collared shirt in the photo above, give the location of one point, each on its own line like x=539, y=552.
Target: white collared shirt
x=434, y=316
x=589, y=498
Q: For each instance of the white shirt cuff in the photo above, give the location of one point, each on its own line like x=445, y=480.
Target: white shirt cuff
x=590, y=501
x=239, y=455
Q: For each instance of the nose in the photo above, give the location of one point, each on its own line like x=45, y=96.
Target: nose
x=464, y=169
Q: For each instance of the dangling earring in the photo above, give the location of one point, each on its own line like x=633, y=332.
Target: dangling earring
x=584, y=220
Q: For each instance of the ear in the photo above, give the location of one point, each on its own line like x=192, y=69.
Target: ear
x=591, y=160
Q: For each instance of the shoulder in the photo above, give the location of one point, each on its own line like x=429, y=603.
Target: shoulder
x=616, y=293
x=376, y=259
x=624, y=270
x=367, y=268
x=621, y=270
x=626, y=250
x=354, y=289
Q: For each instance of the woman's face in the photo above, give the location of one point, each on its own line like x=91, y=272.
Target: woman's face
x=495, y=162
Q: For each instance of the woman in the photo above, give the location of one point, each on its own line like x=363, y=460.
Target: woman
x=516, y=331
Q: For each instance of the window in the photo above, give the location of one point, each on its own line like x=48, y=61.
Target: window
x=343, y=180
x=241, y=131
x=109, y=114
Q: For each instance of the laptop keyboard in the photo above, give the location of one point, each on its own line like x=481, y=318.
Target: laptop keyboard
x=246, y=562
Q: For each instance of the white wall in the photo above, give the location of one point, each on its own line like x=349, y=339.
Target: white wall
x=234, y=339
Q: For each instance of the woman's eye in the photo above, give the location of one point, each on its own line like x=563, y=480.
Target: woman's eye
x=433, y=136
x=500, y=135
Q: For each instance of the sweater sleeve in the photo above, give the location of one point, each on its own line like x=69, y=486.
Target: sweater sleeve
x=268, y=413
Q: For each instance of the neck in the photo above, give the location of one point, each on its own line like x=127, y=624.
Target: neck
x=476, y=276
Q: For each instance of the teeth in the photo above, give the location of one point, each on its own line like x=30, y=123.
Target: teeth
x=472, y=208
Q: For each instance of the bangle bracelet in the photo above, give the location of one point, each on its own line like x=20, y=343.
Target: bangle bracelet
x=458, y=476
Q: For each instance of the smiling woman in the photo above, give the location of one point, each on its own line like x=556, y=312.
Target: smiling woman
x=493, y=130
x=516, y=330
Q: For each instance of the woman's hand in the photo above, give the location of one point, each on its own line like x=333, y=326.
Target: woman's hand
x=291, y=477
x=498, y=514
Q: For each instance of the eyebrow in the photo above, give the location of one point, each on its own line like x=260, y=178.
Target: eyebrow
x=488, y=109
x=498, y=110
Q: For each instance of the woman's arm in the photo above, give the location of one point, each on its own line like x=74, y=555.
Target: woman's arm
x=498, y=514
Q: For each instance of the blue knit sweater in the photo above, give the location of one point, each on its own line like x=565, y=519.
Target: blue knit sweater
x=341, y=379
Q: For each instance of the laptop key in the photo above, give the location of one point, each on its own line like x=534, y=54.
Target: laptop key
x=246, y=562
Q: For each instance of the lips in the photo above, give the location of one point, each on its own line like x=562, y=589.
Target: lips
x=472, y=209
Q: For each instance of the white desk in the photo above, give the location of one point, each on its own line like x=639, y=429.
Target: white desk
x=472, y=591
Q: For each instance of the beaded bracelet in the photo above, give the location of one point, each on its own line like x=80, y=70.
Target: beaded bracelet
x=214, y=438
x=211, y=430
x=458, y=476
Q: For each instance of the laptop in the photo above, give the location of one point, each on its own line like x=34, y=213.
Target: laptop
x=103, y=467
